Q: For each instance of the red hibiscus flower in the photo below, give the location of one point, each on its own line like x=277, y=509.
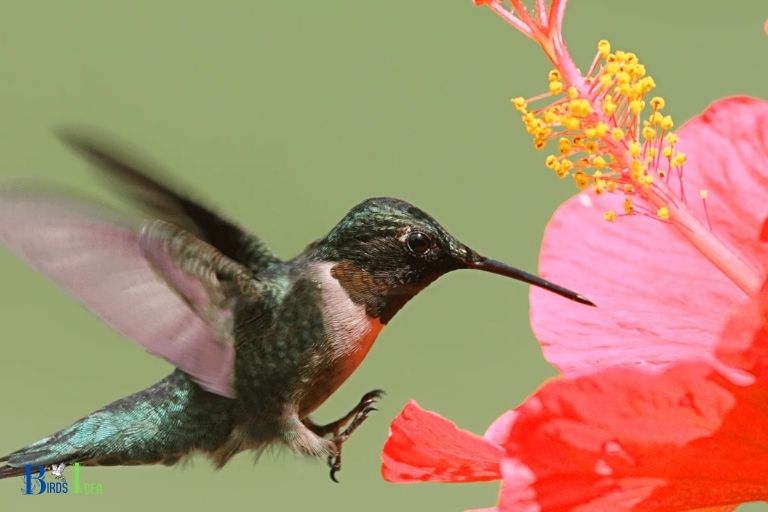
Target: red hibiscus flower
x=688, y=438
x=664, y=403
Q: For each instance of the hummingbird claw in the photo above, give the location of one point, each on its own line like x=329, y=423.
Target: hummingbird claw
x=372, y=396
x=334, y=461
x=336, y=429
x=352, y=420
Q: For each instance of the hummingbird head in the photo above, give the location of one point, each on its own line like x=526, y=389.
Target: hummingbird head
x=386, y=250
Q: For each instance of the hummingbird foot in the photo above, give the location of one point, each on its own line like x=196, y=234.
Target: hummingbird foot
x=335, y=428
x=300, y=437
x=341, y=429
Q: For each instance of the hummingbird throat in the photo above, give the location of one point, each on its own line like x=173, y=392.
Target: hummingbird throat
x=349, y=327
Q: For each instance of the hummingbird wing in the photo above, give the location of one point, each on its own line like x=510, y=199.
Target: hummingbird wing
x=206, y=280
x=118, y=273
x=163, y=202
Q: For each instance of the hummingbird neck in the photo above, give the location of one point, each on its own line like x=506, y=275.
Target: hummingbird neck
x=377, y=296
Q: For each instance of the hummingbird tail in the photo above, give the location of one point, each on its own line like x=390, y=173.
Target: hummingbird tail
x=9, y=471
x=158, y=425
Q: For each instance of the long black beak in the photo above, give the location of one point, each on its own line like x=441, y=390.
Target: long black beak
x=497, y=267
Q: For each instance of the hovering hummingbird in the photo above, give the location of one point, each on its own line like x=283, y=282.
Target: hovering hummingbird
x=258, y=343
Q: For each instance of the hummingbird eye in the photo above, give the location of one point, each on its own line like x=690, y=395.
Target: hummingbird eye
x=418, y=242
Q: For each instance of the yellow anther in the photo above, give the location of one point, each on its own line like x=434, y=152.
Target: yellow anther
x=663, y=213
x=519, y=103
x=619, y=85
x=571, y=123
x=678, y=159
x=550, y=117
x=551, y=161
x=599, y=186
x=648, y=83
x=704, y=194
x=623, y=77
x=598, y=162
x=636, y=106
x=646, y=181
x=581, y=180
x=610, y=216
x=657, y=102
x=604, y=47
x=624, y=90
x=606, y=80
x=580, y=107
x=555, y=87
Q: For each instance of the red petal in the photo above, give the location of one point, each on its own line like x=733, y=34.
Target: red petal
x=424, y=446
x=745, y=339
x=659, y=300
x=764, y=232
x=620, y=440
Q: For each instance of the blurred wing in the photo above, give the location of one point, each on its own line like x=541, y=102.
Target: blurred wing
x=162, y=202
x=207, y=281
x=96, y=257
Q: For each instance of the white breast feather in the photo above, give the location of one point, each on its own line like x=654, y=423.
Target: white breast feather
x=346, y=323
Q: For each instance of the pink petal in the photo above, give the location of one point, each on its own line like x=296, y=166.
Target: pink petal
x=424, y=446
x=497, y=432
x=659, y=300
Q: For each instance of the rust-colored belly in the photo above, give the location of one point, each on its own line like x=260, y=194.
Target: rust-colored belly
x=337, y=368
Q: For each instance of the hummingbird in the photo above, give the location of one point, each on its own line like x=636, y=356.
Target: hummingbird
x=258, y=343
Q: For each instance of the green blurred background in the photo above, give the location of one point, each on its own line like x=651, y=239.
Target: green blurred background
x=286, y=114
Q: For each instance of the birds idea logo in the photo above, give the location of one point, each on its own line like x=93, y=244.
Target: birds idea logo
x=39, y=480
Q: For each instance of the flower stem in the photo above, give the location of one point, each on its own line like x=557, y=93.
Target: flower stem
x=729, y=263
